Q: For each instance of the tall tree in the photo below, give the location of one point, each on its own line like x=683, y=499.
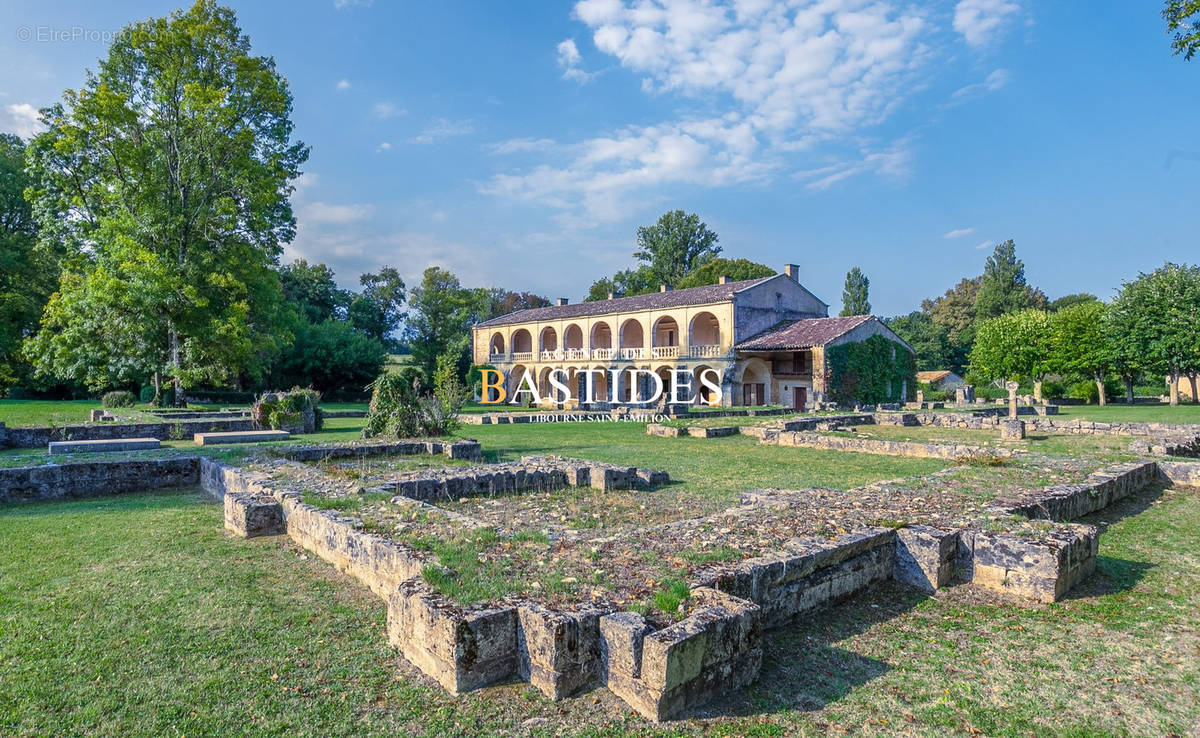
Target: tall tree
x=503, y=302
x=379, y=308
x=1067, y=301
x=678, y=243
x=1003, y=289
x=313, y=289
x=854, y=294
x=928, y=339
x=735, y=269
x=1159, y=313
x=955, y=313
x=1183, y=20
x=1014, y=346
x=168, y=172
x=27, y=273
x=440, y=318
x=1080, y=344
x=625, y=283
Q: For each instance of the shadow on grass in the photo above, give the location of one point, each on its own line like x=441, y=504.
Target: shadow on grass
x=803, y=668
x=119, y=503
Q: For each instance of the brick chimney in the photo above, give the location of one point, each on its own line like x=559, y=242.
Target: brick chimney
x=722, y=280
x=663, y=288
x=561, y=301
x=792, y=271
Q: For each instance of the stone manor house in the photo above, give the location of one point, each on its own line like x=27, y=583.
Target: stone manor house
x=765, y=338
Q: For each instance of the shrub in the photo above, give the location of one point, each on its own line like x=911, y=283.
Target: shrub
x=399, y=409
x=118, y=398
x=146, y=395
x=278, y=409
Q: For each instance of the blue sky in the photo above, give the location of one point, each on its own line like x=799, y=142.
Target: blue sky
x=520, y=144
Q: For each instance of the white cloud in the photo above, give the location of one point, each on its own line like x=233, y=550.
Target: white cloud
x=775, y=80
x=985, y=245
x=321, y=213
x=22, y=119
x=385, y=110
x=982, y=22
x=343, y=4
x=343, y=84
x=521, y=145
x=568, y=61
x=383, y=146
x=994, y=81
x=958, y=233
x=442, y=128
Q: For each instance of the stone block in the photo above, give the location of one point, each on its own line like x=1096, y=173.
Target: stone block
x=461, y=649
x=103, y=446
x=1012, y=430
x=558, y=652
x=651, y=478
x=1039, y=567
x=253, y=515
x=925, y=557
x=208, y=439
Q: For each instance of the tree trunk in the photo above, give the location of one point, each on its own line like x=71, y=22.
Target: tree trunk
x=1100, y=390
x=157, y=388
x=1192, y=381
x=1173, y=378
x=1037, y=391
x=1129, y=390
x=177, y=369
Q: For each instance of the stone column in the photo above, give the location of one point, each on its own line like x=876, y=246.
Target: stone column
x=1012, y=399
x=921, y=397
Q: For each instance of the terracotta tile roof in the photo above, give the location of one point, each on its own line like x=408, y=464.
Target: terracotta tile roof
x=933, y=376
x=653, y=301
x=803, y=334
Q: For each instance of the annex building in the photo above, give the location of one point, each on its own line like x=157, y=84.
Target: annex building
x=765, y=338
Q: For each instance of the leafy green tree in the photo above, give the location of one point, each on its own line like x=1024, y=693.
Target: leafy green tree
x=1003, y=289
x=28, y=274
x=928, y=339
x=168, y=173
x=503, y=302
x=1159, y=313
x=735, y=269
x=1183, y=20
x=1067, y=301
x=379, y=308
x=440, y=318
x=1014, y=346
x=625, y=283
x=954, y=312
x=313, y=289
x=854, y=295
x=678, y=243
x=328, y=356
x=1080, y=343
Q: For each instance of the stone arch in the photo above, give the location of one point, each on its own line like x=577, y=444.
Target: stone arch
x=600, y=390
x=548, y=339
x=754, y=383
x=522, y=342
x=601, y=336
x=632, y=334
x=573, y=337
x=497, y=343
x=704, y=330
x=514, y=380
x=666, y=332
x=701, y=393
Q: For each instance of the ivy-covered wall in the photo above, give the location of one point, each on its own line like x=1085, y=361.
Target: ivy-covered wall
x=870, y=372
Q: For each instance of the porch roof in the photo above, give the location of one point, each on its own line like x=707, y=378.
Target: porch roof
x=802, y=334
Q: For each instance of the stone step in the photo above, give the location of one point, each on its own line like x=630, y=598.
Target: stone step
x=208, y=439
x=103, y=445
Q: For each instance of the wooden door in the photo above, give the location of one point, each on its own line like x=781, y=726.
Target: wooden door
x=799, y=398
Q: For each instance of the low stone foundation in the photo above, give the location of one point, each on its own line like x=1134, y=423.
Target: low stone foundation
x=1040, y=568
x=1183, y=473
x=913, y=449
x=95, y=478
x=1071, y=501
x=40, y=436
x=462, y=449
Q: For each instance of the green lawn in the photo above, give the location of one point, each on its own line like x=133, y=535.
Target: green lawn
x=719, y=467
x=1183, y=413
x=44, y=412
x=136, y=615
